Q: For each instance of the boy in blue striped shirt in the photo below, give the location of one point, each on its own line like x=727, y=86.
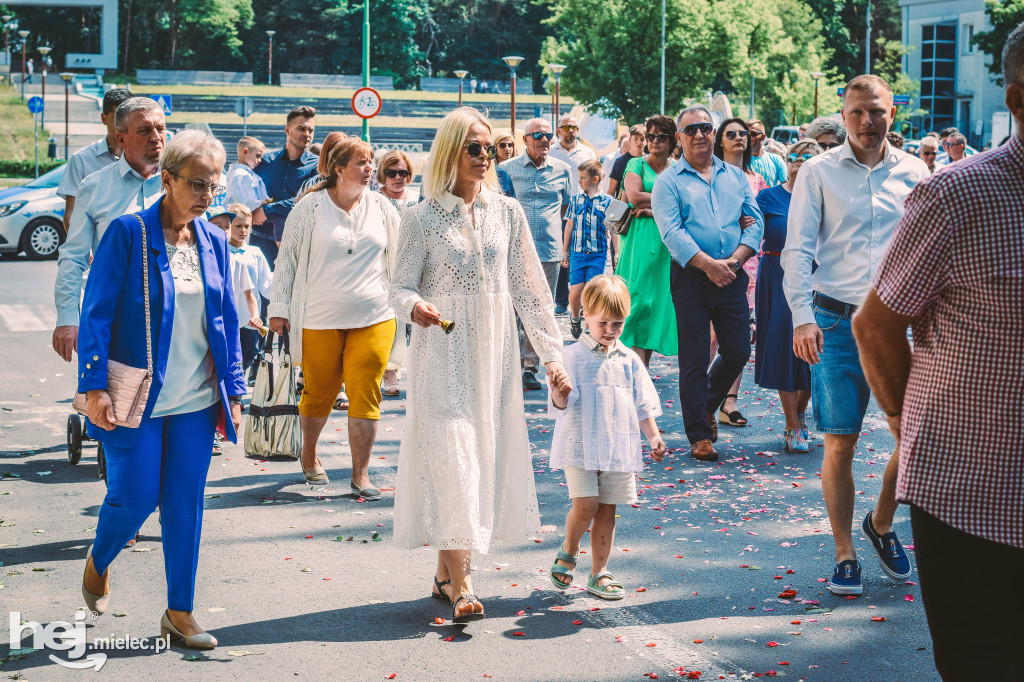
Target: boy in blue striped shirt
x=585, y=250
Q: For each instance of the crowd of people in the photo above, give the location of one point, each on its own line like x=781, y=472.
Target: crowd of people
x=819, y=256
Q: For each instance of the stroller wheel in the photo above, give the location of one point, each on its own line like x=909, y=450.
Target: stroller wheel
x=74, y=437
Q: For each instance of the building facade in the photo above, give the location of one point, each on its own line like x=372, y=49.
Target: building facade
x=956, y=87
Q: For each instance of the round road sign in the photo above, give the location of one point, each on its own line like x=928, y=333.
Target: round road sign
x=366, y=102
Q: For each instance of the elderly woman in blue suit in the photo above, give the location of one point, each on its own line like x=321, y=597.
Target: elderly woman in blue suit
x=197, y=373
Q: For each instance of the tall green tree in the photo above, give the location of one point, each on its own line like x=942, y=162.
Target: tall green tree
x=1005, y=16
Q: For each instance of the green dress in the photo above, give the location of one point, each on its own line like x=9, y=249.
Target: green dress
x=644, y=264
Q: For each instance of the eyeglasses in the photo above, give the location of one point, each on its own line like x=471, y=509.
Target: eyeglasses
x=693, y=128
x=731, y=134
x=200, y=188
x=506, y=145
x=829, y=145
x=397, y=173
x=568, y=128
x=542, y=136
x=793, y=158
x=658, y=137
x=474, y=149
x=949, y=145
x=929, y=153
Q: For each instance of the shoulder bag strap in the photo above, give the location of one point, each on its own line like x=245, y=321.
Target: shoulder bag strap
x=145, y=293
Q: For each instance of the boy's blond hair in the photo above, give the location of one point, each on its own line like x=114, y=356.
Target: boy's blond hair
x=591, y=167
x=240, y=209
x=250, y=143
x=607, y=294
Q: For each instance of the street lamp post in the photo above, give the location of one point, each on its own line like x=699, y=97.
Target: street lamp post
x=816, y=75
x=513, y=63
x=43, y=50
x=557, y=69
x=270, y=57
x=461, y=74
x=67, y=77
x=24, y=41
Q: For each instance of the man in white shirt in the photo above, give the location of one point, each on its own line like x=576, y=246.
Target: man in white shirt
x=99, y=154
x=132, y=184
x=845, y=205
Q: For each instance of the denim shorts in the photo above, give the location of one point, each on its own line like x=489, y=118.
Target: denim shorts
x=583, y=267
x=839, y=390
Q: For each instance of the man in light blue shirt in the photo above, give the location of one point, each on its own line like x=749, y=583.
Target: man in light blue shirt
x=710, y=223
x=132, y=184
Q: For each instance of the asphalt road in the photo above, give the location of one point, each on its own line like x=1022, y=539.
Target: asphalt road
x=294, y=584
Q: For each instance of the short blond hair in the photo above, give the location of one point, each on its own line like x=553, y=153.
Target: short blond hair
x=250, y=142
x=591, y=167
x=390, y=159
x=443, y=162
x=607, y=294
x=240, y=210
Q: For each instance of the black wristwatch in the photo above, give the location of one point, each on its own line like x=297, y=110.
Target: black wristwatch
x=235, y=399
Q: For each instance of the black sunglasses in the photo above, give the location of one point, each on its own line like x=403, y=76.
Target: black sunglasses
x=756, y=134
x=506, y=145
x=929, y=153
x=396, y=173
x=474, y=149
x=541, y=136
x=829, y=145
x=658, y=137
x=693, y=128
x=731, y=134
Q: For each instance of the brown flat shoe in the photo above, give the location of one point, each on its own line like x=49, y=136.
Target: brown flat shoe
x=714, y=427
x=704, y=451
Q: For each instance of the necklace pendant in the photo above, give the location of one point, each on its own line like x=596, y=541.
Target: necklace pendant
x=350, y=250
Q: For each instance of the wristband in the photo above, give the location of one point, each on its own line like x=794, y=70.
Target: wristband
x=235, y=399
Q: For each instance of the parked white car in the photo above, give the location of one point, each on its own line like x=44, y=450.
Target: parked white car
x=32, y=218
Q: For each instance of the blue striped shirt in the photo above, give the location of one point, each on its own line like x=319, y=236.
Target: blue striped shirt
x=589, y=234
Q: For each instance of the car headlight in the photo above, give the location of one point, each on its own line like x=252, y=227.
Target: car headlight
x=8, y=209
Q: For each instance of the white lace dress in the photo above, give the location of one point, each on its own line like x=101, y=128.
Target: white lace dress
x=465, y=472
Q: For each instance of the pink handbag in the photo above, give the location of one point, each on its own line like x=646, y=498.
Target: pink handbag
x=128, y=387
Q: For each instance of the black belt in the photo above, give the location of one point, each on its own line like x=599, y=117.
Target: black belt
x=833, y=306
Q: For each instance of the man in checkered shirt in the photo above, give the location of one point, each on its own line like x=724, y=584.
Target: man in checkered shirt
x=955, y=271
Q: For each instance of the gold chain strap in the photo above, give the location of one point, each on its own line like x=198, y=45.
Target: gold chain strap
x=145, y=293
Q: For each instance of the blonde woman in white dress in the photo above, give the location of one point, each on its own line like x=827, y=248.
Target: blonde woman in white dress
x=465, y=254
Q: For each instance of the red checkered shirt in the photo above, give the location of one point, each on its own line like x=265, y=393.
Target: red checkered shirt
x=956, y=265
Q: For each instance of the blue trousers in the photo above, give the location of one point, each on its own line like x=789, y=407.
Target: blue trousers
x=699, y=302
x=168, y=468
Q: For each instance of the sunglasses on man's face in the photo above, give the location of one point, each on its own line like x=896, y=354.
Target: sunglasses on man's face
x=542, y=136
x=569, y=128
x=693, y=128
x=829, y=145
x=658, y=137
x=929, y=153
x=757, y=134
x=396, y=173
x=731, y=134
x=793, y=158
x=475, y=148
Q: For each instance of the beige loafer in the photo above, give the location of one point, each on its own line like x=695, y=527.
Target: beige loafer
x=315, y=476
x=97, y=603
x=204, y=640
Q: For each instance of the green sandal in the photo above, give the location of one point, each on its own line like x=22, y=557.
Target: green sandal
x=602, y=591
x=562, y=570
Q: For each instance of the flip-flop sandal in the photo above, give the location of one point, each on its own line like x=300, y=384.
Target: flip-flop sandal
x=392, y=391
x=340, y=404
x=468, y=617
x=562, y=570
x=440, y=590
x=602, y=591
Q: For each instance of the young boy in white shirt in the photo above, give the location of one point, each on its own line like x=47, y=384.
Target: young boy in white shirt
x=602, y=405
x=585, y=248
x=244, y=186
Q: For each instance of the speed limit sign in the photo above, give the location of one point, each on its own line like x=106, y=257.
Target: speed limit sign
x=366, y=102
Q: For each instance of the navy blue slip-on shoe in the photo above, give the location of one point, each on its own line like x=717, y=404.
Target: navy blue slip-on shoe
x=846, y=578
x=891, y=554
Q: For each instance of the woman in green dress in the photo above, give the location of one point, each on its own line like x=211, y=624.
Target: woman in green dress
x=644, y=261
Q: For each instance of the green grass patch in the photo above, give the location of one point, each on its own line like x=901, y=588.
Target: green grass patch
x=16, y=137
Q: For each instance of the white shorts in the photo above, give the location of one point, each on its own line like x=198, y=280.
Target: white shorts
x=609, y=487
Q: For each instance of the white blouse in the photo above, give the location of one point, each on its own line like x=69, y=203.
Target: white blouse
x=190, y=382
x=346, y=268
x=599, y=429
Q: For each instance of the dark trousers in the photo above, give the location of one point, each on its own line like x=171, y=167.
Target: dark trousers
x=700, y=304
x=562, y=287
x=265, y=242
x=972, y=601
x=249, y=338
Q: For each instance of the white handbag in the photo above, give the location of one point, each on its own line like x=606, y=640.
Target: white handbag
x=272, y=426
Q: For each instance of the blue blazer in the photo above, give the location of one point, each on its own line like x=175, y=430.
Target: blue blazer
x=113, y=320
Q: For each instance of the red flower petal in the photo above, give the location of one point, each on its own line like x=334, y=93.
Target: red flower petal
x=519, y=634
x=773, y=643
